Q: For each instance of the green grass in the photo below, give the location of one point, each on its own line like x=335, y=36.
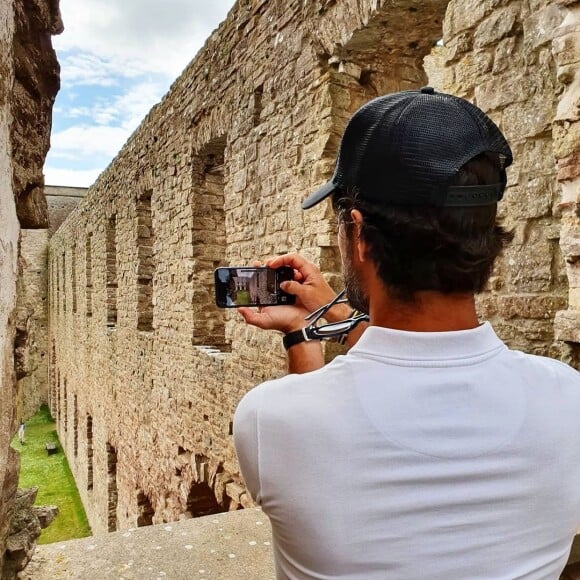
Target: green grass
x=52, y=475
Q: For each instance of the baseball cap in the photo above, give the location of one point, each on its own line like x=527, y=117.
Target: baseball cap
x=405, y=149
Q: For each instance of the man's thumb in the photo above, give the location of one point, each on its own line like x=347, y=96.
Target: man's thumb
x=291, y=287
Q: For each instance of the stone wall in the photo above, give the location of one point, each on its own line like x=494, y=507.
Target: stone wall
x=32, y=303
x=566, y=50
x=36, y=82
x=61, y=200
x=28, y=84
x=9, y=232
x=31, y=352
x=500, y=55
x=145, y=371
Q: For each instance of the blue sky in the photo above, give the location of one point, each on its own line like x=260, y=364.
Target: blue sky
x=117, y=58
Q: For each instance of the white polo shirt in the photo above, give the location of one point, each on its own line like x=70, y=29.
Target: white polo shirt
x=418, y=455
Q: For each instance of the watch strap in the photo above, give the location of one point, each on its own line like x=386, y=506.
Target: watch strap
x=293, y=338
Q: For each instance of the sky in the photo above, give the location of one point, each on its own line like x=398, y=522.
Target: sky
x=118, y=58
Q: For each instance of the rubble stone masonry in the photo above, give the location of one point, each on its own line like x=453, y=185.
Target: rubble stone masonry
x=32, y=302
x=9, y=232
x=502, y=55
x=145, y=372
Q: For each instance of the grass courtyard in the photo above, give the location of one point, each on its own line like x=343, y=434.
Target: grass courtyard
x=52, y=475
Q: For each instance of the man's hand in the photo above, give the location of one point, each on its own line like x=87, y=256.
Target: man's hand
x=283, y=318
x=311, y=290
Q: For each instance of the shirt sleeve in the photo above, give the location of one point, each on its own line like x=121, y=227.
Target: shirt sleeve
x=246, y=440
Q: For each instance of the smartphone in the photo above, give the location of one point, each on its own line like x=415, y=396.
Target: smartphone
x=235, y=287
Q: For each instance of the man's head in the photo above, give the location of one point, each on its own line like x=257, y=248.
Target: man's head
x=417, y=179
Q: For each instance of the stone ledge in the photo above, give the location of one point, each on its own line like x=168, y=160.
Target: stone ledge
x=229, y=546
x=212, y=351
x=234, y=545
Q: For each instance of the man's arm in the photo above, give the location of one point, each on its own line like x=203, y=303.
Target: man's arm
x=312, y=291
x=246, y=442
x=302, y=357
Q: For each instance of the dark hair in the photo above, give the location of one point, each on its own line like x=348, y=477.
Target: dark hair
x=418, y=248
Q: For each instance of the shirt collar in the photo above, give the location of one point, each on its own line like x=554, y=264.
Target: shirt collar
x=428, y=346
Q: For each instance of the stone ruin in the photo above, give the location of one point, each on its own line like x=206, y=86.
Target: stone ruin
x=144, y=372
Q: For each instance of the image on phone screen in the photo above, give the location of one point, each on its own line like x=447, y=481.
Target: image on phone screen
x=237, y=287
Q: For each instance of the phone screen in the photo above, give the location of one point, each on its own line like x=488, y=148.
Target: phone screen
x=235, y=287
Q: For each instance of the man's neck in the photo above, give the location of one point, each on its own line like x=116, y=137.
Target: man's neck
x=430, y=312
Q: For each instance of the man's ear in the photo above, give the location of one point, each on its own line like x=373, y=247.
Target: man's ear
x=358, y=242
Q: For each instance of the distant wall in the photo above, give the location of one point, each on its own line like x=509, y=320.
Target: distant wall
x=145, y=371
x=61, y=201
x=32, y=324
x=28, y=84
x=32, y=302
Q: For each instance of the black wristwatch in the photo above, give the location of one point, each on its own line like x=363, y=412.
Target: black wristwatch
x=296, y=337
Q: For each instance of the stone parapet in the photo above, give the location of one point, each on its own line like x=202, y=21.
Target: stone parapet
x=225, y=546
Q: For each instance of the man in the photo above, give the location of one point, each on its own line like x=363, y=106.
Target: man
x=430, y=450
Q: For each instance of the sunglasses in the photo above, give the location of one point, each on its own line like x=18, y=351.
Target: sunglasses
x=332, y=329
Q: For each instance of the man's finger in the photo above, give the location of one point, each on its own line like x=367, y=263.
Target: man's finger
x=296, y=261
x=252, y=317
x=293, y=287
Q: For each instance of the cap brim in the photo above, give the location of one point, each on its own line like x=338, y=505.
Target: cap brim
x=320, y=194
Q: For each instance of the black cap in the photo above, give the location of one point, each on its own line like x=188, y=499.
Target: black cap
x=406, y=148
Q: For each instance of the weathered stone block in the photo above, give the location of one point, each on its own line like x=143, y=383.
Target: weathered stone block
x=570, y=244
x=534, y=307
x=472, y=68
x=465, y=14
x=457, y=46
x=500, y=91
x=573, y=273
x=539, y=28
x=496, y=26
x=530, y=268
x=567, y=325
x=566, y=139
x=531, y=199
x=506, y=54
x=351, y=69
x=566, y=49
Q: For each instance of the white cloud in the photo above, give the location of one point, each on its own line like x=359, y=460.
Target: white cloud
x=118, y=58
x=137, y=102
x=90, y=69
x=70, y=177
x=125, y=110
x=134, y=36
x=84, y=141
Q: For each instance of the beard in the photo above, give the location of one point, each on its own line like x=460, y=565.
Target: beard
x=357, y=297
